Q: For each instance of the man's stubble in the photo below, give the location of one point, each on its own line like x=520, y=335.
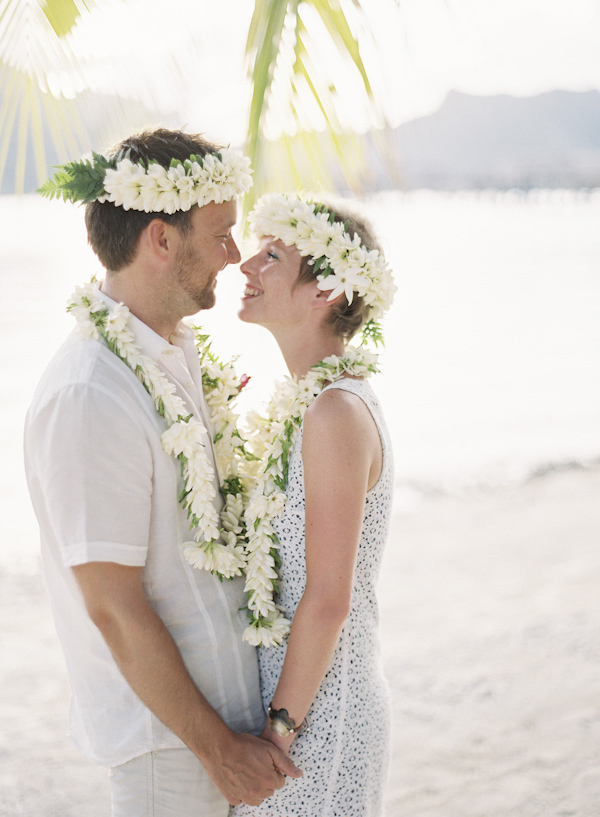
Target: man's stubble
x=193, y=277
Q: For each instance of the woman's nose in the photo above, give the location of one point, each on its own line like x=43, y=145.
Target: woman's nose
x=246, y=266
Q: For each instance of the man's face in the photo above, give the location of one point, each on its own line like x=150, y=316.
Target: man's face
x=203, y=253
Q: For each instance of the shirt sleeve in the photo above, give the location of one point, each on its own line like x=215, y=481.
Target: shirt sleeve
x=90, y=463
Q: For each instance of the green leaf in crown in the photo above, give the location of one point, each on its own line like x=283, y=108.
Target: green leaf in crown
x=78, y=181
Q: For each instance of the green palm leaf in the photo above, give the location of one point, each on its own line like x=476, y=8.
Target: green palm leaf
x=299, y=53
x=39, y=113
x=63, y=16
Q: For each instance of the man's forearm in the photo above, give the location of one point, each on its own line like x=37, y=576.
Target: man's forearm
x=152, y=665
x=244, y=768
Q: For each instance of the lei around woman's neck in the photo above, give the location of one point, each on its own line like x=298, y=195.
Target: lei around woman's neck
x=273, y=437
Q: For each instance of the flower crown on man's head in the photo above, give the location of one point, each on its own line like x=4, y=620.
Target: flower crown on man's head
x=341, y=262
x=152, y=188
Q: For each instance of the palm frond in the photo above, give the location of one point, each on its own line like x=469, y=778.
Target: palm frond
x=262, y=48
x=39, y=130
x=63, y=16
x=47, y=112
x=313, y=95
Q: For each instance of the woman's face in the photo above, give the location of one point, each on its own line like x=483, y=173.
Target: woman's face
x=269, y=298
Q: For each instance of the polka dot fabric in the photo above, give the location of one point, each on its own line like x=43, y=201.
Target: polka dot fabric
x=344, y=752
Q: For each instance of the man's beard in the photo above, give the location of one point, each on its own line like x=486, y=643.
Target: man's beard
x=192, y=278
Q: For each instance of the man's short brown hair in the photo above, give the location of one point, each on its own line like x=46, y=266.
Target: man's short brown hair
x=114, y=233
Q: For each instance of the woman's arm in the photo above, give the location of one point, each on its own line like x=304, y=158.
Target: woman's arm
x=341, y=452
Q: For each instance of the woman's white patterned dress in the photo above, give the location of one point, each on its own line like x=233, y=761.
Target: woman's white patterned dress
x=345, y=754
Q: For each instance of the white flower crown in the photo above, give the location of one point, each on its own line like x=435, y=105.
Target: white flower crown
x=199, y=180
x=341, y=262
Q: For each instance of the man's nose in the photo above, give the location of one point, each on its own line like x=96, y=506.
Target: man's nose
x=233, y=254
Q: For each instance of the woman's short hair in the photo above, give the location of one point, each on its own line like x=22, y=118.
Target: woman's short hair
x=113, y=232
x=346, y=319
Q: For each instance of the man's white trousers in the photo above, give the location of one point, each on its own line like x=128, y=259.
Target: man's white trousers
x=165, y=783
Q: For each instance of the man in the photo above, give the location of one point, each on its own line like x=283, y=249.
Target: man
x=164, y=690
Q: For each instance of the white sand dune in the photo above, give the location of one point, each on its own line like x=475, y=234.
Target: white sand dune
x=491, y=633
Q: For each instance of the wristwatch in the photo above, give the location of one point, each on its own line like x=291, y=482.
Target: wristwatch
x=281, y=723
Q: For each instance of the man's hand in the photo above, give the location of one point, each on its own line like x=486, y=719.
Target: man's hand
x=277, y=740
x=246, y=769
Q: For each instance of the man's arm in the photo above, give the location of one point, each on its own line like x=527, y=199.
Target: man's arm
x=244, y=768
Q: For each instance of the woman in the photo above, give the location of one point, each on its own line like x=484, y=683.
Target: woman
x=316, y=280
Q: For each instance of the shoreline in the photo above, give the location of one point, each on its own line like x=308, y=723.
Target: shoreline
x=490, y=630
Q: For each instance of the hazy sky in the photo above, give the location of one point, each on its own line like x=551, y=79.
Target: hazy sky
x=424, y=49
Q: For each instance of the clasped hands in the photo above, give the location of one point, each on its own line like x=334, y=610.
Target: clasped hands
x=248, y=769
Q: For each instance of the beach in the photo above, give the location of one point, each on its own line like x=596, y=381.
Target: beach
x=489, y=594
x=490, y=627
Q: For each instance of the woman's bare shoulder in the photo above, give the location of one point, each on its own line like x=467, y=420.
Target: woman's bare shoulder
x=337, y=409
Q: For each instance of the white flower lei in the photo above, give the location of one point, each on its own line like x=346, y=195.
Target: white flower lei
x=219, y=544
x=341, y=262
x=274, y=437
x=199, y=180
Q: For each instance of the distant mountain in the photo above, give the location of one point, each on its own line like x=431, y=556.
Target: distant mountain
x=550, y=140
x=471, y=142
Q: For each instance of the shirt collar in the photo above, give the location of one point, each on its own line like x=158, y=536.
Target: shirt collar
x=182, y=335
x=150, y=343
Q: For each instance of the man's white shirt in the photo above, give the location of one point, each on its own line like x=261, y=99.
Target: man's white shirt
x=104, y=490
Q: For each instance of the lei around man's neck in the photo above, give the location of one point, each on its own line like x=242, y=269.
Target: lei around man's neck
x=218, y=539
x=152, y=188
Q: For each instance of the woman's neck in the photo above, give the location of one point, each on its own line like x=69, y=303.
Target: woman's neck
x=302, y=351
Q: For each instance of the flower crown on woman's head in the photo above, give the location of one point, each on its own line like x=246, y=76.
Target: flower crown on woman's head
x=341, y=262
x=152, y=188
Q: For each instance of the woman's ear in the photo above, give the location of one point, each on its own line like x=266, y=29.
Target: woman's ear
x=321, y=298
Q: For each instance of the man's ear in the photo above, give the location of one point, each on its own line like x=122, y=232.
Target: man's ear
x=159, y=238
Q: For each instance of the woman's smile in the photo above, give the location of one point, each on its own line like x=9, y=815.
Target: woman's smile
x=251, y=292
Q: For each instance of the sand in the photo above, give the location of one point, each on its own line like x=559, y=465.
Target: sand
x=491, y=633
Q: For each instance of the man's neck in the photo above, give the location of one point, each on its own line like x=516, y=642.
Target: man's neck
x=142, y=300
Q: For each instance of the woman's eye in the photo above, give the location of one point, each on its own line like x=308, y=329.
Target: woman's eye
x=273, y=255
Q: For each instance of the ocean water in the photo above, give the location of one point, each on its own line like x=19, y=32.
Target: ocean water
x=491, y=369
